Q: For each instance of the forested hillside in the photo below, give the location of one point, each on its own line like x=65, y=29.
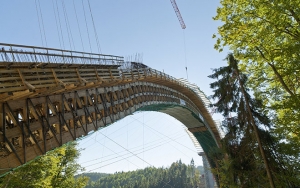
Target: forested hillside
x=178, y=175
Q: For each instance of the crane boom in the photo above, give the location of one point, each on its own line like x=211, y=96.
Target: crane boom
x=178, y=14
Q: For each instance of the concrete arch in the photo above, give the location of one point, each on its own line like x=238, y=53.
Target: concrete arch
x=192, y=121
x=44, y=105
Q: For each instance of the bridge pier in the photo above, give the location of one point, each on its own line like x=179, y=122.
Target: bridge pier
x=208, y=176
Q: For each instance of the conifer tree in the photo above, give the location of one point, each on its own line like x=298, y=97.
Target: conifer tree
x=247, y=128
x=264, y=36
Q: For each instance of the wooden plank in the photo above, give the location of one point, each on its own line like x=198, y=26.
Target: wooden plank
x=106, y=70
x=4, y=96
x=103, y=74
x=8, y=78
x=11, y=89
x=87, y=74
x=37, y=70
x=62, y=71
x=69, y=79
x=44, y=85
x=17, y=95
x=65, y=75
x=26, y=84
x=11, y=84
x=39, y=76
x=8, y=71
x=37, y=82
x=90, y=77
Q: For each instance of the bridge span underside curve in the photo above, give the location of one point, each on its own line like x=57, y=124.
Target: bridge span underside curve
x=44, y=105
x=39, y=124
x=188, y=118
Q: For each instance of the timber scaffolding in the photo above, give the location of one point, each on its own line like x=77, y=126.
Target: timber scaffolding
x=51, y=96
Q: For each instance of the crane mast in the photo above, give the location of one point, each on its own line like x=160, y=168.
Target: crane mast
x=178, y=14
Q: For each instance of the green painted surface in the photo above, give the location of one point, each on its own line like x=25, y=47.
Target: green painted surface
x=207, y=142
x=160, y=107
x=205, y=138
x=157, y=107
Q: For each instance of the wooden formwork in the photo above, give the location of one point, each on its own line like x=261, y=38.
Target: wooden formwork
x=44, y=105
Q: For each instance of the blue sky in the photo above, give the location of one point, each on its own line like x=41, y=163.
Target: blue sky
x=127, y=27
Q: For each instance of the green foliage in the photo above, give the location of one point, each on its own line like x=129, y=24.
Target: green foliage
x=55, y=169
x=224, y=170
x=265, y=36
x=93, y=176
x=249, y=143
x=178, y=175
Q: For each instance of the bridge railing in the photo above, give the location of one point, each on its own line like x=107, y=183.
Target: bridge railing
x=32, y=54
x=129, y=73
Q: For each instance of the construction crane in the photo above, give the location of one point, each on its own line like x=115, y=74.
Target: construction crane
x=178, y=14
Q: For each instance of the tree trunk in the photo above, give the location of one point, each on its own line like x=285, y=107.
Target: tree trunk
x=276, y=73
x=281, y=80
x=271, y=181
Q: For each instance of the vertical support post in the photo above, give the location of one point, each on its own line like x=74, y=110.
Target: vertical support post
x=74, y=109
x=76, y=102
x=118, y=98
x=132, y=75
x=103, y=99
x=48, y=56
x=60, y=119
x=36, y=60
x=99, y=62
x=74, y=112
x=145, y=73
x=209, y=178
x=47, y=117
x=123, y=76
x=62, y=54
x=44, y=129
x=2, y=119
x=111, y=76
x=27, y=123
x=62, y=113
x=6, y=140
x=24, y=139
x=12, y=54
x=72, y=58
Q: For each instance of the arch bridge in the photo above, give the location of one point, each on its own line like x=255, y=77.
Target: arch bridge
x=50, y=96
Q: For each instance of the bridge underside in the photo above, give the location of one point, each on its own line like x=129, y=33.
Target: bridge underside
x=43, y=106
x=37, y=125
x=188, y=118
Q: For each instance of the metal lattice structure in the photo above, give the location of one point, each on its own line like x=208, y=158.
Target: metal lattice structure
x=177, y=12
x=49, y=97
